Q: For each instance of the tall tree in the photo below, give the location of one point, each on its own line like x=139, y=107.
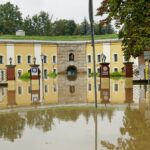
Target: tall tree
x=103, y=29
x=84, y=27
x=64, y=27
x=59, y=27
x=133, y=19
x=10, y=18
x=42, y=23
x=28, y=26
x=70, y=27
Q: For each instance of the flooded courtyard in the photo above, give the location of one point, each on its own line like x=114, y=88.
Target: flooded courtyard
x=66, y=118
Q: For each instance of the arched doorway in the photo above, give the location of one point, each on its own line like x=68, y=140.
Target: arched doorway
x=72, y=73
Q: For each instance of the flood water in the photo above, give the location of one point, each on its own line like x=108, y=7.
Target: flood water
x=121, y=122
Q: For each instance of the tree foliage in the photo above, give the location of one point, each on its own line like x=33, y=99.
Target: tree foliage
x=41, y=24
x=10, y=18
x=133, y=19
x=85, y=27
x=64, y=27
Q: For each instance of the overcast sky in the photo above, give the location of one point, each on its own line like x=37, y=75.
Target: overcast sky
x=60, y=9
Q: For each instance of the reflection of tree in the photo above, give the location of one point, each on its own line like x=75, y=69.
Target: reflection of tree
x=107, y=112
x=67, y=115
x=135, y=126
x=40, y=119
x=11, y=126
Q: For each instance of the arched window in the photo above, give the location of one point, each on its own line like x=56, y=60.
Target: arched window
x=71, y=57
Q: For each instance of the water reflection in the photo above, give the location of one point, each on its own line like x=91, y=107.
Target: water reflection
x=72, y=128
x=135, y=132
x=77, y=128
x=11, y=126
x=63, y=91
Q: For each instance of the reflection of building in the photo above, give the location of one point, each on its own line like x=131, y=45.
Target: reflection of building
x=72, y=91
x=81, y=90
x=3, y=96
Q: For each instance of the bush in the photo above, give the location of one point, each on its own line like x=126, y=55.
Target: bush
x=116, y=75
x=97, y=74
x=52, y=75
x=25, y=77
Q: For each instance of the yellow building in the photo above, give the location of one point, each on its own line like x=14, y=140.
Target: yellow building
x=62, y=58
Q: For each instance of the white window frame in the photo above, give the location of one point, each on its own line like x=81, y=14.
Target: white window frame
x=88, y=58
x=20, y=59
x=89, y=89
x=2, y=75
x=18, y=74
x=88, y=72
x=114, y=57
x=115, y=68
x=55, y=59
x=46, y=85
x=18, y=90
x=45, y=60
x=55, y=70
x=54, y=87
x=44, y=73
x=97, y=58
x=115, y=87
x=30, y=59
x=2, y=59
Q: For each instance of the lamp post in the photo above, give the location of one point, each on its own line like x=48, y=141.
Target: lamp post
x=93, y=45
x=103, y=57
x=42, y=59
x=10, y=61
x=34, y=60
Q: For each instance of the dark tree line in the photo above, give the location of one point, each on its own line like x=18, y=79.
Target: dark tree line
x=41, y=24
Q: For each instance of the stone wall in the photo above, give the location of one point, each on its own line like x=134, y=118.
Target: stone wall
x=79, y=51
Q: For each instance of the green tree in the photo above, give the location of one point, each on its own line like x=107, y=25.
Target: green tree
x=97, y=29
x=28, y=26
x=64, y=27
x=39, y=24
x=77, y=30
x=10, y=18
x=84, y=27
x=70, y=27
x=42, y=23
x=103, y=29
x=58, y=27
x=132, y=17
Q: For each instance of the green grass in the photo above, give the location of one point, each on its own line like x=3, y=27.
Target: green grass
x=59, y=38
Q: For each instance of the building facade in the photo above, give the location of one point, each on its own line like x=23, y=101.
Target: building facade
x=62, y=58
x=59, y=56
